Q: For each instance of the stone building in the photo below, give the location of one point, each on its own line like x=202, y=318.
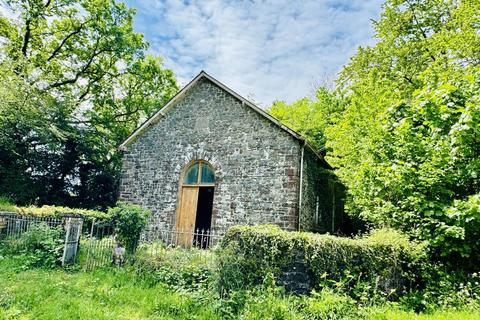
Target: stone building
x=211, y=159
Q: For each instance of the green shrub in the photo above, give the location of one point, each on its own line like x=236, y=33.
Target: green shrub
x=443, y=288
x=129, y=221
x=39, y=246
x=456, y=239
x=6, y=204
x=382, y=263
x=247, y=255
x=180, y=269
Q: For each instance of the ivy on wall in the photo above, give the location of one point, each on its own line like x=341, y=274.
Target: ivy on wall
x=384, y=260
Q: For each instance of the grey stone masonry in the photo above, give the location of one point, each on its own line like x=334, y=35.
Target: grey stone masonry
x=311, y=193
x=257, y=164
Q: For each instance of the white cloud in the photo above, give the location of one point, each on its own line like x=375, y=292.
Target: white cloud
x=5, y=10
x=271, y=49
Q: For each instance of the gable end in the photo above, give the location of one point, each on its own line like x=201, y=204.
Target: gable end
x=183, y=92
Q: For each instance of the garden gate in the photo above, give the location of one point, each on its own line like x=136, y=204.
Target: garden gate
x=73, y=230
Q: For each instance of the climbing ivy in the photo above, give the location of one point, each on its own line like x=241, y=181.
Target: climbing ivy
x=384, y=260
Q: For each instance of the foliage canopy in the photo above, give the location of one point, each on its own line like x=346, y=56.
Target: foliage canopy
x=404, y=136
x=75, y=80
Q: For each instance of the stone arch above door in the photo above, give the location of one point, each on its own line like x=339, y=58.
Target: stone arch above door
x=197, y=155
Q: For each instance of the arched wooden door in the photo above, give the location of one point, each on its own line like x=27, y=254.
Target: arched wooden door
x=196, y=201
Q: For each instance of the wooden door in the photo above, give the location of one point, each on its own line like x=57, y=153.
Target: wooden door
x=186, y=215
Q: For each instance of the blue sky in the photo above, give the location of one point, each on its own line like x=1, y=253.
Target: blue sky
x=264, y=50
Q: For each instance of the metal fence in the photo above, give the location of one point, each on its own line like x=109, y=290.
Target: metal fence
x=100, y=249
x=92, y=244
x=171, y=237
x=97, y=245
x=14, y=225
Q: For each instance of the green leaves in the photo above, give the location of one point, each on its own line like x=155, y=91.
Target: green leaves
x=310, y=117
x=407, y=143
x=402, y=127
x=129, y=221
x=75, y=82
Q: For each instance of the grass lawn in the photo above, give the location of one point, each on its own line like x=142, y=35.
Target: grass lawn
x=115, y=294
x=101, y=294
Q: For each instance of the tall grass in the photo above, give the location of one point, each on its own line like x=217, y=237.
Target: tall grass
x=101, y=294
x=116, y=293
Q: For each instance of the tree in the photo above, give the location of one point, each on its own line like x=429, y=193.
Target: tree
x=75, y=82
x=407, y=144
x=402, y=126
x=310, y=117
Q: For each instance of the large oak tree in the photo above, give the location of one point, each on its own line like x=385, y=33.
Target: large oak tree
x=75, y=80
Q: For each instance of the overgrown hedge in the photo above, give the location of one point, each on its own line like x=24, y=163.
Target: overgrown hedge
x=382, y=262
x=50, y=211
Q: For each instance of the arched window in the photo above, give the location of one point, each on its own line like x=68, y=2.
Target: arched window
x=199, y=173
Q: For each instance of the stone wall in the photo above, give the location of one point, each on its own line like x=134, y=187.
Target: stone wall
x=302, y=261
x=297, y=277
x=256, y=163
x=322, y=197
x=310, y=190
